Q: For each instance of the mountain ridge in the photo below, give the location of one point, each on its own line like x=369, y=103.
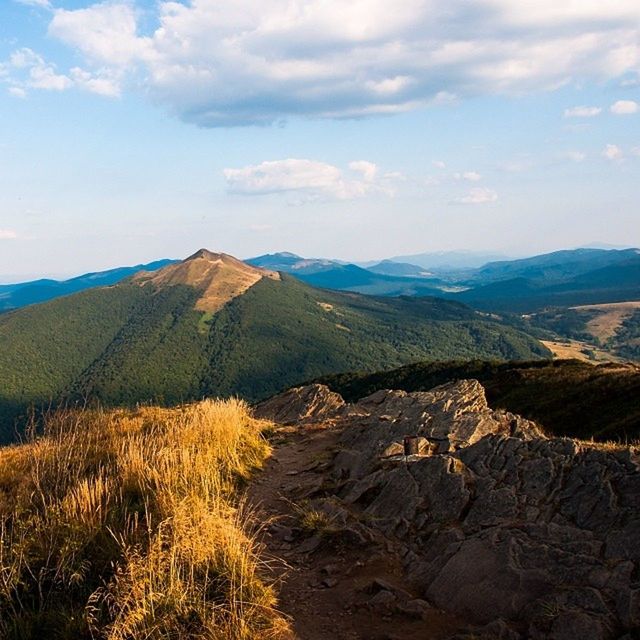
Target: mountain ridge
x=152, y=339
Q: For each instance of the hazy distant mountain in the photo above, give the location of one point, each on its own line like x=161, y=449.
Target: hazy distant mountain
x=212, y=325
x=450, y=260
x=13, y=296
x=332, y=274
x=555, y=267
x=402, y=269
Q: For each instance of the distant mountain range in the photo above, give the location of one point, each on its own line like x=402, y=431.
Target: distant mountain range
x=213, y=325
x=382, y=279
x=446, y=261
x=13, y=296
x=562, y=278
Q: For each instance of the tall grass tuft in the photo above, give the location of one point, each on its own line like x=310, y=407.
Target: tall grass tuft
x=126, y=525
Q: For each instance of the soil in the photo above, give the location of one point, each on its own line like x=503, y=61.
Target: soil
x=330, y=586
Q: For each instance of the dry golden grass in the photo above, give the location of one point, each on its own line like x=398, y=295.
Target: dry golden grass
x=609, y=319
x=125, y=525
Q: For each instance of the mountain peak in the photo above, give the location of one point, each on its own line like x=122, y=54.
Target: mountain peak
x=218, y=276
x=205, y=253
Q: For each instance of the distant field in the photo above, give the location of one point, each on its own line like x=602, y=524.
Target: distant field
x=577, y=350
x=609, y=317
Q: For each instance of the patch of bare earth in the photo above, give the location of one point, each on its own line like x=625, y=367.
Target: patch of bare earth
x=331, y=584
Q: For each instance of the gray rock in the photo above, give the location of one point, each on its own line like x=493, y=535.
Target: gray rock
x=311, y=403
x=499, y=524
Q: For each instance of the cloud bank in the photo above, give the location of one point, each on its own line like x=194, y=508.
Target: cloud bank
x=256, y=62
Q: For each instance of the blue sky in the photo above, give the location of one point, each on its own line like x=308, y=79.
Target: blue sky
x=134, y=130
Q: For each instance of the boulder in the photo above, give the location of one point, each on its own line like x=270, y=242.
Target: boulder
x=315, y=402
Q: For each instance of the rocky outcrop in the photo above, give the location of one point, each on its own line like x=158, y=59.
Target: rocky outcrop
x=314, y=402
x=524, y=535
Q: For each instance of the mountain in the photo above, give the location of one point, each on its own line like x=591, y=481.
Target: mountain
x=559, y=266
x=332, y=274
x=403, y=269
x=13, y=296
x=535, y=286
x=213, y=325
x=292, y=263
x=449, y=260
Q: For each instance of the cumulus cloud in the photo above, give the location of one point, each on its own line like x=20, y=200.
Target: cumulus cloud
x=613, y=152
x=478, y=195
x=582, y=112
x=256, y=62
x=310, y=179
x=26, y=70
x=8, y=234
x=625, y=107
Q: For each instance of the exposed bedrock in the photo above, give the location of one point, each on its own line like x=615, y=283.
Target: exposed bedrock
x=535, y=537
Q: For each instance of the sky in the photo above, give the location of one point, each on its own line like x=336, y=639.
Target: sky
x=132, y=130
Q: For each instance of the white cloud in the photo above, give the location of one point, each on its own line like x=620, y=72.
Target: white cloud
x=582, y=112
x=309, y=178
x=635, y=151
x=104, y=83
x=104, y=32
x=8, y=234
x=439, y=164
x=478, y=195
x=613, y=152
x=17, y=92
x=25, y=70
x=574, y=156
x=470, y=176
x=625, y=107
x=258, y=61
x=367, y=169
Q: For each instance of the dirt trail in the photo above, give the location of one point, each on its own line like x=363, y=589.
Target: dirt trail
x=330, y=585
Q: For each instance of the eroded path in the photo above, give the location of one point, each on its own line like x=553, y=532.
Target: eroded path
x=334, y=581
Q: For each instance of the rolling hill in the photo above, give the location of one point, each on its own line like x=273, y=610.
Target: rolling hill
x=212, y=325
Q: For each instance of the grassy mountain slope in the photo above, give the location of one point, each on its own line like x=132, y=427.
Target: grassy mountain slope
x=20, y=295
x=567, y=397
x=143, y=341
